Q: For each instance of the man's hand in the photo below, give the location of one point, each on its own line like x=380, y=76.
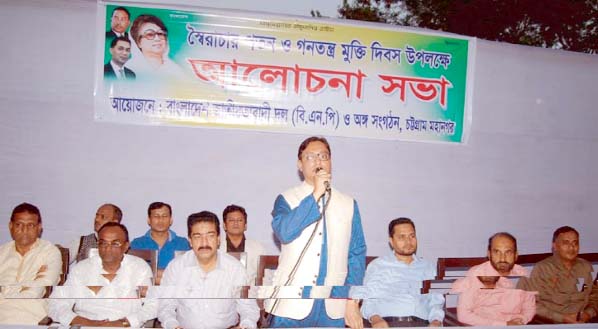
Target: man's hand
x=352, y=315
x=321, y=177
x=570, y=318
x=515, y=322
x=584, y=317
x=41, y=272
x=378, y=322
x=435, y=323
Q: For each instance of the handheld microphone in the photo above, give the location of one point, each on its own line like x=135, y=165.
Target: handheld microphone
x=326, y=183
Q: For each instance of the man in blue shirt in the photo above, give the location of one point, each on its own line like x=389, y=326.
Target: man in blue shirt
x=160, y=237
x=322, y=248
x=391, y=290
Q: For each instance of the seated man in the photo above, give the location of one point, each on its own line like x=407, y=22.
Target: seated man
x=564, y=282
x=235, y=224
x=104, y=290
x=160, y=237
x=487, y=296
x=79, y=249
x=201, y=288
x=391, y=290
x=28, y=265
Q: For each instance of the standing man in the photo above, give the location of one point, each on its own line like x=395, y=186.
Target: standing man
x=160, y=237
x=119, y=23
x=120, y=50
x=235, y=225
x=79, y=250
x=104, y=290
x=487, y=296
x=564, y=282
x=28, y=265
x=323, y=248
x=391, y=290
x=202, y=288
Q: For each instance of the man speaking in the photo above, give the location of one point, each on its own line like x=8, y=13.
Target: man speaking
x=322, y=248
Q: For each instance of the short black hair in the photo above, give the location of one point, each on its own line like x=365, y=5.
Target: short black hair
x=306, y=142
x=502, y=234
x=561, y=230
x=233, y=208
x=399, y=221
x=114, y=224
x=28, y=208
x=200, y=217
x=117, y=39
x=123, y=9
x=158, y=205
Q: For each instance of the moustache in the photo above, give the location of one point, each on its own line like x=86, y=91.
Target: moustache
x=204, y=247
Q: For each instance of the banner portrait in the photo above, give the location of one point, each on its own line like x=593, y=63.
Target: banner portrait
x=206, y=68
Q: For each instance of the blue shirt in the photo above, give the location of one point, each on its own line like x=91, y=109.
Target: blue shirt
x=288, y=224
x=393, y=288
x=166, y=253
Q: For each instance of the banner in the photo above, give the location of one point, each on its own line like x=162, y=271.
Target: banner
x=206, y=68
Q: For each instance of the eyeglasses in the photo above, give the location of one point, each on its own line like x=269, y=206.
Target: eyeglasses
x=107, y=244
x=313, y=156
x=151, y=35
x=210, y=236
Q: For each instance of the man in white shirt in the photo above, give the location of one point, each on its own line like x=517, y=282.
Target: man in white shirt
x=201, y=288
x=235, y=224
x=105, y=290
x=28, y=265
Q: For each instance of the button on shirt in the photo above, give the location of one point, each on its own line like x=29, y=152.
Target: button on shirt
x=192, y=298
x=115, y=300
x=167, y=252
x=393, y=288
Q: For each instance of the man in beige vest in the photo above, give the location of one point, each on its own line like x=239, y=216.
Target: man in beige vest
x=322, y=248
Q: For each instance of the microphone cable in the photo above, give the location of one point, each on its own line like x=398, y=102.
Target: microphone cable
x=291, y=276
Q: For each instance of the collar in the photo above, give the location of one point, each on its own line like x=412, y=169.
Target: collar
x=393, y=258
x=171, y=235
x=193, y=262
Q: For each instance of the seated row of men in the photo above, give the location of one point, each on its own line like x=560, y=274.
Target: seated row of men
x=201, y=287
x=166, y=242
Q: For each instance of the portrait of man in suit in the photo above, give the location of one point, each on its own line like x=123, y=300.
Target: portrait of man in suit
x=120, y=50
x=119, y=23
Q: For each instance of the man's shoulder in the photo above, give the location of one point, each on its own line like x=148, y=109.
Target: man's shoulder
x=135, y=262
x=141, y=242
x=83, y=266
x=254, y=245
x=179, y=240
x=229, y=262
x=5, y=248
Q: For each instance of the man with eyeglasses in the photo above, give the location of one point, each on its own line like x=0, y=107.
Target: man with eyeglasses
x=235, y=224
x=28, y=265
x=160, y=237
x=202, y=288
x=322, y=248
x=104, y=290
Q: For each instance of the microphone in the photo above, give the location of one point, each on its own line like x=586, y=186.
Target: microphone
x=326, y=183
